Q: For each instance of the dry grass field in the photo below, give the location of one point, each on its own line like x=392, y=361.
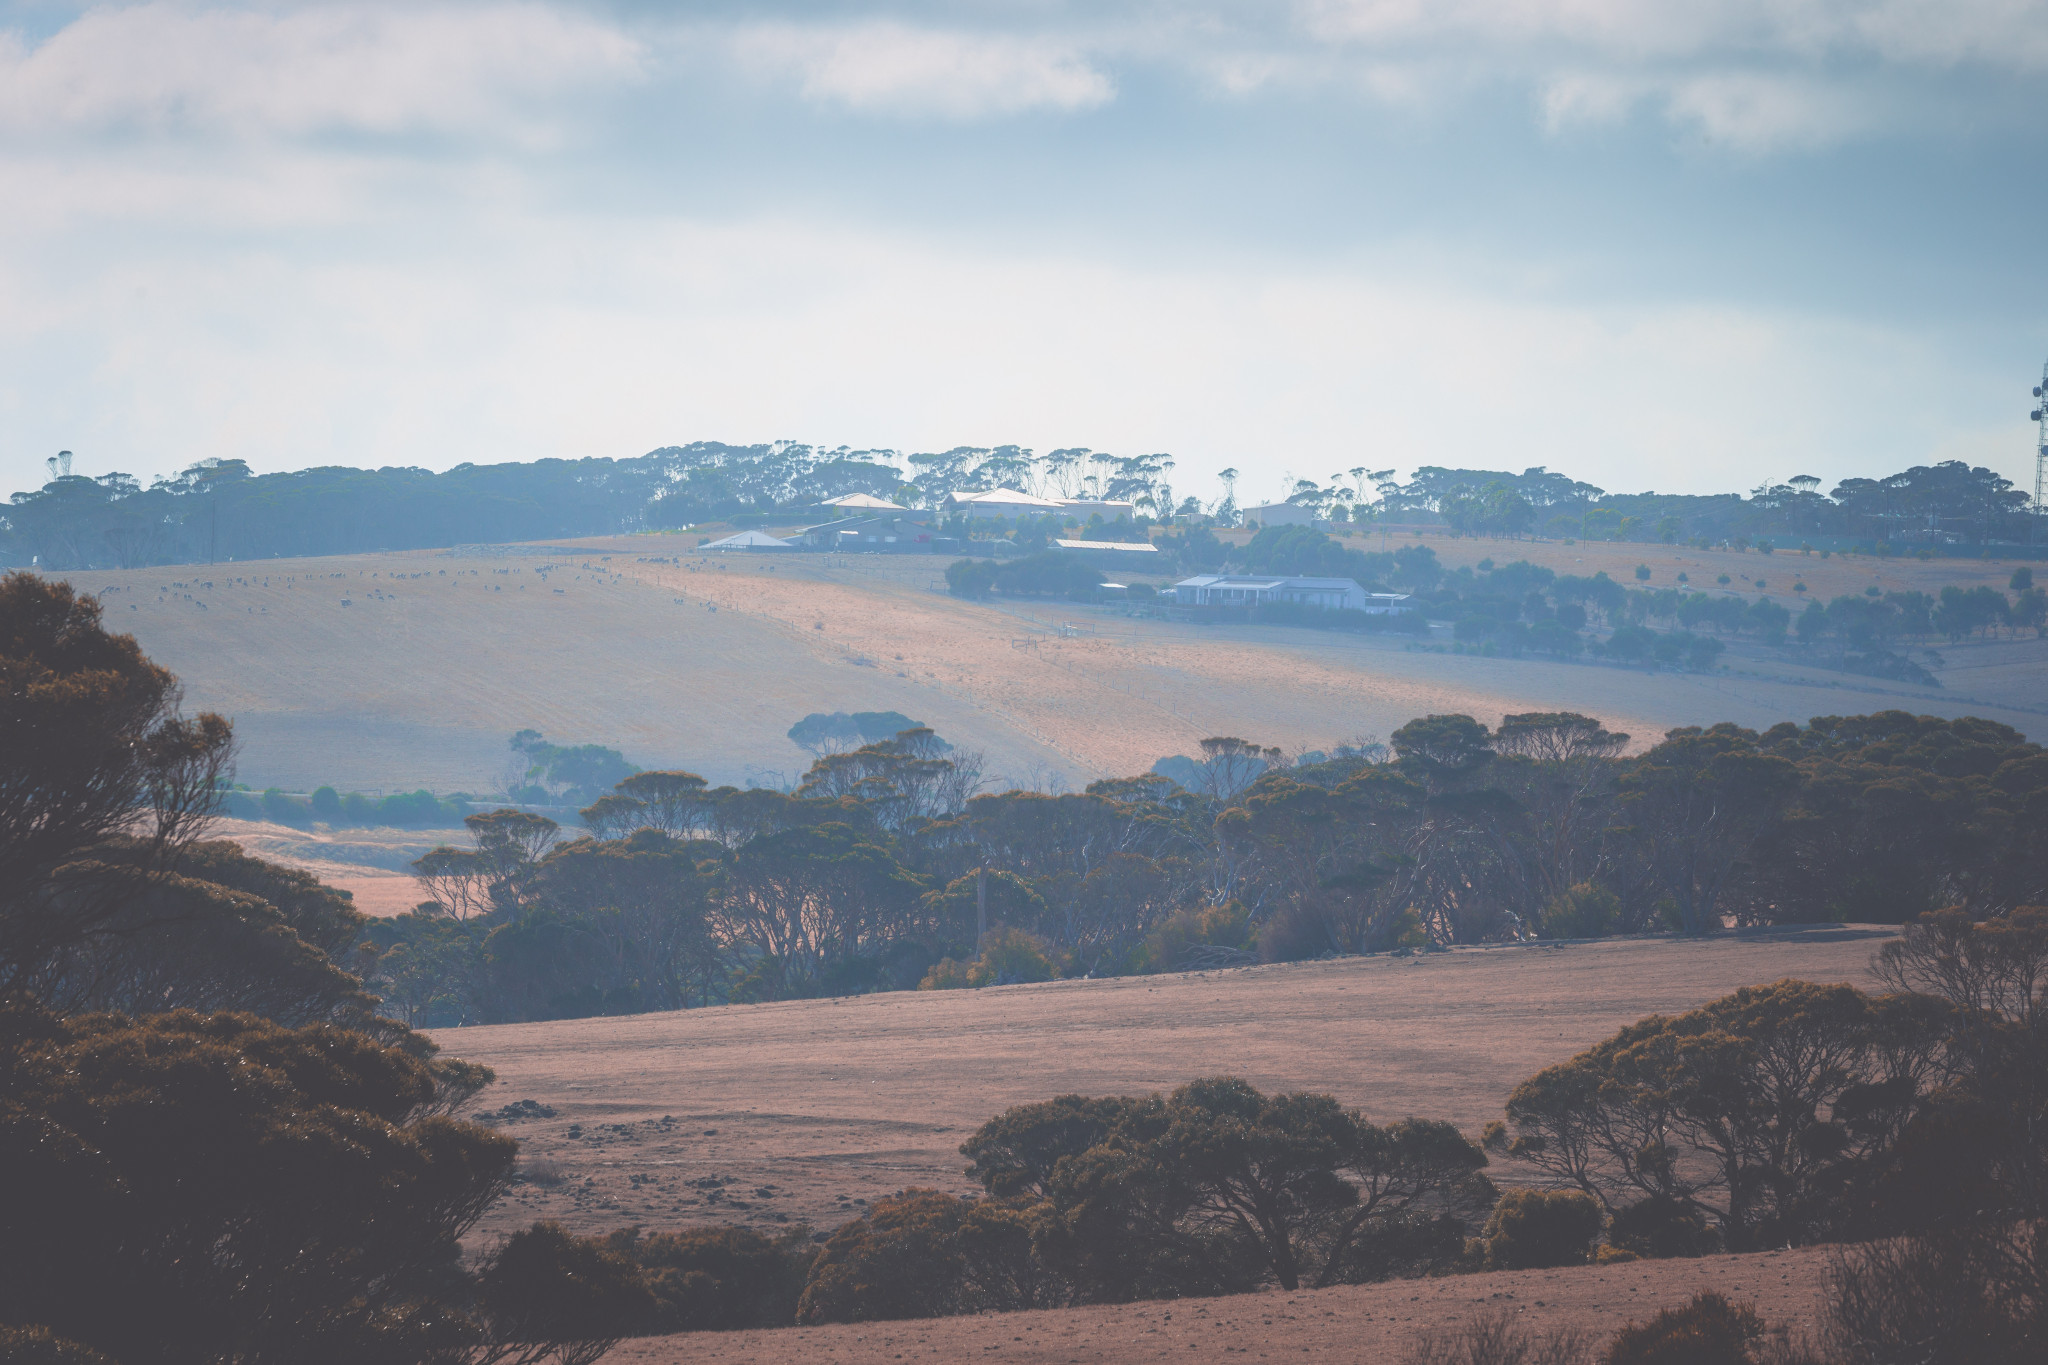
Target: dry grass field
x=805, y=1108
x=800, y=1113
x=370, y=864
x=383, y=672
x=1355, y=1324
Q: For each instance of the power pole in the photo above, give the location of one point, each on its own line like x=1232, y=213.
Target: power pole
x=2040, y=416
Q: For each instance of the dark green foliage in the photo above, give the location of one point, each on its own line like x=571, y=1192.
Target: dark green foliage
x=195, y=1187
x=718, y=1279
x=1219, y=1187
x=578, y=1295
x=971, y=577
x=93, y=739
x=1047, y=574
x=1766, y=1111
x=1659, y=1227
x=1708, y=1331
x=1536, y=1229
x=923, y=1254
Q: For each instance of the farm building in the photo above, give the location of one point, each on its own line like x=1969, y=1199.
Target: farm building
x=1252, y=590
x=1109, y=509
x=863, y=504
x=1124, y=555
x=1001, y=502
x=899, y=532
x=748, y=540
x=1279, y=514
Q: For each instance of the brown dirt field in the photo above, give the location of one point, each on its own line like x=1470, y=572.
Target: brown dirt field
x=704, y=663
x=808, y=1107
x=1362, y=1323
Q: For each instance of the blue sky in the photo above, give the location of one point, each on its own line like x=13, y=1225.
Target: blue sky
x=1683, y=246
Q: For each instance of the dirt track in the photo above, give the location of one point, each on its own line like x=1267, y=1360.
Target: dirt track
x=806, y=1108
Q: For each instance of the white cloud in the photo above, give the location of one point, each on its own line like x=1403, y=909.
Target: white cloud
x=2011, y=34
x=515, y=337
x=896, y=69
x=356, y=68
x=1750, y=112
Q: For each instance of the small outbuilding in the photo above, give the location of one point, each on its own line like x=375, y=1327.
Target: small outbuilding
x=1279, y=514
x=748, y=540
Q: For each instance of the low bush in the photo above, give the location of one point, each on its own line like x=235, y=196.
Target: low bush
x=713, y=1279
x=1535, y=1229
x=1498, y=1339
x=1583, y=911
x=1972, y=1298
x=1708, y=1331
x=1660, y=1227
x=922, y=1253
x=1008, y=957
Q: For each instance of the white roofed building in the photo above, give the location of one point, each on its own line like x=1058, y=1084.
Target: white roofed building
x=748, y=540
x=1252, y=590
x=1279, y=514
x=1002, y=502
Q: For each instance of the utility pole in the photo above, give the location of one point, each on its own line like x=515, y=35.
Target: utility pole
x=980, y=905
x=2040, y=416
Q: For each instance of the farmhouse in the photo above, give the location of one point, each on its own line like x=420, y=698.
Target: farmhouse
x=1252, y=590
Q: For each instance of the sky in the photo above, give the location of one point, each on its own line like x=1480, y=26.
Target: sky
x=1688, y=246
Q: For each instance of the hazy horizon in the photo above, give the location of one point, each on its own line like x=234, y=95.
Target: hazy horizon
x=1682, y=249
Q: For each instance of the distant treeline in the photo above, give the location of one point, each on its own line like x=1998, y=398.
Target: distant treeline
x=885, y=870
x=225, y=511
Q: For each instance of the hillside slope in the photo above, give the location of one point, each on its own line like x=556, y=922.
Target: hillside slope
x=393, y=671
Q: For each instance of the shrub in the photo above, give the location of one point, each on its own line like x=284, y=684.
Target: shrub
x=1708, y=1331
x=199, y=1187
x=1972, y=1299
x=1203, y=936
x=326, y=804
x=1534, y=1229
x=1008, y=957
x=1048, y=574
x=970, y=577
x=39, y=1346
x=921, y=1254
x=1497, y=1339
x=545, y=1287
x=1661, y=1227
x=720, y=1278
x=1584, y=911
